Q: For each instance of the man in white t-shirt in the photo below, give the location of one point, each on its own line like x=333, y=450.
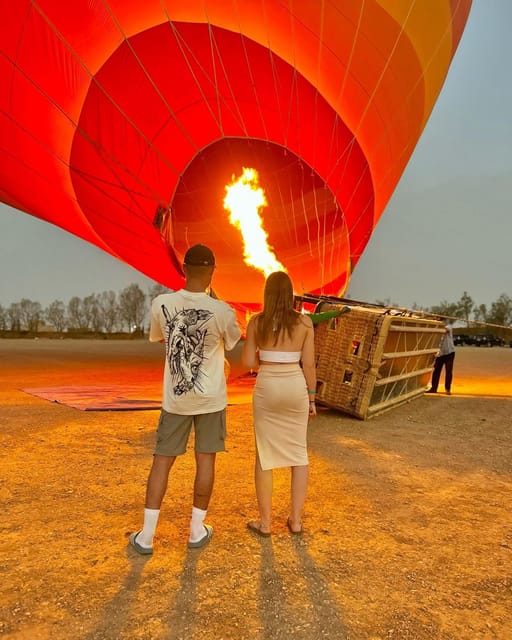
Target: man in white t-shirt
x=196, y=329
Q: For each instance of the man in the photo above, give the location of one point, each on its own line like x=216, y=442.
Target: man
x=444, y=358
x=196, y=328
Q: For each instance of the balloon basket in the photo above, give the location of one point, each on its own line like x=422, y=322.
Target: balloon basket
x=370, y=360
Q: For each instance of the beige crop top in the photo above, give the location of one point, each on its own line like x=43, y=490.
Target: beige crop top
x=280, y=356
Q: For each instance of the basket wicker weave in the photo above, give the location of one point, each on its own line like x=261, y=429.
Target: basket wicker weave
x=369, y=360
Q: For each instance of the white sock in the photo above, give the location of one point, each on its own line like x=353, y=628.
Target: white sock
x=196, y=524
x=145, y=537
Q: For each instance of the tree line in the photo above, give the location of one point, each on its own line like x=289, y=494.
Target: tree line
x=109, y=312
x=468, y=311
x=105, y=312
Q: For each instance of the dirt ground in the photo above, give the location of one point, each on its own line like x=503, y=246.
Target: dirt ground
x=408, y=530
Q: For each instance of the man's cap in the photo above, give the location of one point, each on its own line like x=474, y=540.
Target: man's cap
x=199, y=256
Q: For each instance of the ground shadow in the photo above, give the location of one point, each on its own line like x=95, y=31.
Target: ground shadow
x=327, y=620
x=181, y=621
x=116, y=613
x=282, y=610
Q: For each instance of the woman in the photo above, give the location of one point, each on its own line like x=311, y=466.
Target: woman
x=278, y=340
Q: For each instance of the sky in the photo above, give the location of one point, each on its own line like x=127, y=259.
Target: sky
x=447, y=228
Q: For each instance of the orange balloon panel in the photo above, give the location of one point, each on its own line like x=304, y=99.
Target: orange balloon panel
x=122, y=122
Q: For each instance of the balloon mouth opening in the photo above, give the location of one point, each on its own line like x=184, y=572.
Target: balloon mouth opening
x=299, y=208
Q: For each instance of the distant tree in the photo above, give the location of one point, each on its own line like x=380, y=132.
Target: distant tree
x=107, y=302
x=13, y=313
x=95, y=313
x=88, y=311
x=132, y=307
x=157, y=289
x=76, y=317
x=465, y=307
x=30, y=314
x=501, y=311
x=91, y=313
x=446, y=309
x=480, y=313
x=24, y=312
x=3, y=318
x=55, y=315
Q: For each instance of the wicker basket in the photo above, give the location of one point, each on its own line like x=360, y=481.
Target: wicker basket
x=369, y=360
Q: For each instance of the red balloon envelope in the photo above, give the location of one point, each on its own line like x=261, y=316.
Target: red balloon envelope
x=122, y=122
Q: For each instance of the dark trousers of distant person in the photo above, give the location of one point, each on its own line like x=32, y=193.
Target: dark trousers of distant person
x=447, y=362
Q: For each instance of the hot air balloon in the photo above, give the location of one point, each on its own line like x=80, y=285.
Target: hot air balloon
x=122, y=122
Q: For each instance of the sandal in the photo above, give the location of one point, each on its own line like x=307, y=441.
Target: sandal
x=204, y=540
x=144, y=551
x=255, y=527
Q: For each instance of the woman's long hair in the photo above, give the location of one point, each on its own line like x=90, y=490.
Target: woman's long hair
x=278, y=316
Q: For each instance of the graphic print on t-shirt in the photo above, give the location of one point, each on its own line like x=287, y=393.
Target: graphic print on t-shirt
x=185, y=338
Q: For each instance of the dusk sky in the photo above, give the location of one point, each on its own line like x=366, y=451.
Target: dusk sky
x=446, y=230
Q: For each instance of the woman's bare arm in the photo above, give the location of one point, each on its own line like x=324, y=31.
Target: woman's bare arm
x=249, y=353
x=308, y=355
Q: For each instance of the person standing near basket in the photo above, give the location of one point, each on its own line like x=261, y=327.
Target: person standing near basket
x=196, y=329
x=279, y=340
x=445, y=358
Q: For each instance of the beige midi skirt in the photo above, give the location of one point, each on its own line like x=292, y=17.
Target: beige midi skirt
x=281, y=409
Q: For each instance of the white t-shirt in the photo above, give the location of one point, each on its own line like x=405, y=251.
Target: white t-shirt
x=196, y=329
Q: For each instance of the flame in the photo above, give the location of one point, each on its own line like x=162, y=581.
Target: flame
x=244, y=198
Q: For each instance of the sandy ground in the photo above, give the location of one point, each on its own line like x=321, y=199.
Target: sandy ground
x=408, y=518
